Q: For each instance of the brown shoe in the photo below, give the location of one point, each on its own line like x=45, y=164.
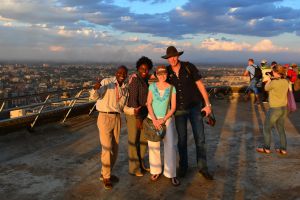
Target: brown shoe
x=113, y=178
x=139, y=174
x=107, y=183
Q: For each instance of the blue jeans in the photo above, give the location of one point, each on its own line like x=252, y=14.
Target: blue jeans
x=194, y=115
x=275, y=117
x=253, y=85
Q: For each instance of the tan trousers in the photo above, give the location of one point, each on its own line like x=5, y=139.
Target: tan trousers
x=109, y=126
x=137, y=145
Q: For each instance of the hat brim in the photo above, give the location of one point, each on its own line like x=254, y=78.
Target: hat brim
x=162, y=72
x=171, y=55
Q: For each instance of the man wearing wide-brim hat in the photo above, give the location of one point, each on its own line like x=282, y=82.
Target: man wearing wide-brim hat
x=191, y=100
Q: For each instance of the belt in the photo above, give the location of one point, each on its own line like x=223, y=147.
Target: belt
x=115, y=113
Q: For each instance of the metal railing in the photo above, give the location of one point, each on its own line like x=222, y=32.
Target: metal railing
x=51, y=103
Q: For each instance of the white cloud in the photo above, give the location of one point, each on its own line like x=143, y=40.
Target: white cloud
x=56, y=48
x=267, y=46
x=126, y=18
x=278, y=20
x=70, y=9
x=133, y=39
x=183, y=13
x=213, y=44
x=41, y=25
x=7, y=24
x=4, y=19
x=232, y=10
x=252, y=22
x=168, y=43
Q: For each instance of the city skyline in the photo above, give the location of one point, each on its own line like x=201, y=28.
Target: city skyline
x=123, y=30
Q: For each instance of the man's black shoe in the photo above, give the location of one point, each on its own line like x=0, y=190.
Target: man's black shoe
x=206, y=174
x=107, y=184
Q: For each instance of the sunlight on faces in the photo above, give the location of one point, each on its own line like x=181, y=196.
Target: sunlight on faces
x=162, y=77
x=121, y=75
x=143, y=71
x=173, y=61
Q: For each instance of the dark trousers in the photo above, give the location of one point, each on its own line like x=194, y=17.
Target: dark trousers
x=194, y=115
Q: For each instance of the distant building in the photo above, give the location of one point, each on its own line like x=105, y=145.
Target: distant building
x=17, y=113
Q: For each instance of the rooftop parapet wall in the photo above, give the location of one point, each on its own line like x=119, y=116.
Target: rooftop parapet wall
x=10, y=125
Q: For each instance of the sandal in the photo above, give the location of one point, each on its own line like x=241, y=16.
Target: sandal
x=281, y=151
x=263, y=150
x=175, y=182
x=155, y=177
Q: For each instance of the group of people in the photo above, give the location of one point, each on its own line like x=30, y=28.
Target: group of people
x=178, y=84
x=273, y=85
x=259, y=75
x=175, y=97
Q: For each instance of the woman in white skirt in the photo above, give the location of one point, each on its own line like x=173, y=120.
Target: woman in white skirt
x=157, y=102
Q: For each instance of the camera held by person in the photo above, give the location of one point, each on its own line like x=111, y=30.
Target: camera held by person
x=270, y=74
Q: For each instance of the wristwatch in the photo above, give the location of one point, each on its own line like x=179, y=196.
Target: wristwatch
x=209, y=105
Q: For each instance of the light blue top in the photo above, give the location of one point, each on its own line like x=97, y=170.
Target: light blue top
x=251, y=70
x=160, y=102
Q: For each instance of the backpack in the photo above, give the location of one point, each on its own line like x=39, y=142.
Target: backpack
x=257, y=73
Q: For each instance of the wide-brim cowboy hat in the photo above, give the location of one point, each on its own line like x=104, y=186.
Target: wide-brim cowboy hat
x=172, y=51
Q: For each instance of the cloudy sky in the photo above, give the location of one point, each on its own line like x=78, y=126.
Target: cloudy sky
x=124, y=30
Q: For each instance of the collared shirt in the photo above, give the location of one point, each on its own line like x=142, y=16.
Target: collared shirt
x=187, y=92
x=138, y=92
x=111, y=97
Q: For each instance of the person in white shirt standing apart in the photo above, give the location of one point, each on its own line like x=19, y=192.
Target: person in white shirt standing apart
x=112, y=94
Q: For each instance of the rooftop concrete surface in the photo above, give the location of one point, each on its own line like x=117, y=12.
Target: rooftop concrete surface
x=63, y=161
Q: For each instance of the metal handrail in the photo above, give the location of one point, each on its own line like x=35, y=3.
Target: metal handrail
x=44, y=93
x=46, y=102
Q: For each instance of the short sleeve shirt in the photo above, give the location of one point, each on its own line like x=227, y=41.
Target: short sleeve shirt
x=187, y=92
x=251, y=71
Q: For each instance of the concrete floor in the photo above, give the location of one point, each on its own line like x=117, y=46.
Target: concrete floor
x=62, y=162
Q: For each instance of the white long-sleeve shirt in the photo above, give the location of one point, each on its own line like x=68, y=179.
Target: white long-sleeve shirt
x=111, y=97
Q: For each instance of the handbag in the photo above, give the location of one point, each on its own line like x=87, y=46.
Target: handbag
x=291, y=104
x=151, y=133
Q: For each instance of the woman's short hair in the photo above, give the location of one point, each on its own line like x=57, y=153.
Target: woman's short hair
x=144, y=61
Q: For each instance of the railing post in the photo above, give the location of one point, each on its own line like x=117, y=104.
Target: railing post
x=40, y=111
x=92, y=109
x=72, y=105
x=2, y=106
